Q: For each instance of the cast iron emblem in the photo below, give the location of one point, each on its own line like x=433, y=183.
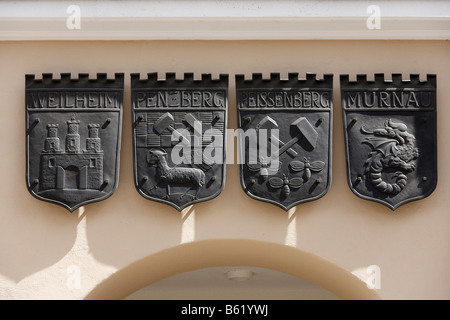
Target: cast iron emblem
x=390, y=135
x=179, y=137
x=285, y=137
x=73, y=133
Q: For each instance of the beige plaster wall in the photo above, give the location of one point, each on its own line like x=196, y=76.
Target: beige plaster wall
x=41, y=244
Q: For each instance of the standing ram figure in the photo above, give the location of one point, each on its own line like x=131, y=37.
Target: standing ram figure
x=180, y=175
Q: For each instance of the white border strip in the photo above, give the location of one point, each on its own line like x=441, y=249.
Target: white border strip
x=223, y=9
x=224, y=29
x=224, y=20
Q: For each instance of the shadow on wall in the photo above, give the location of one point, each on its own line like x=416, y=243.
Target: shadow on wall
x=232, y=252
x=161, y=226
x=35, y=235
x=33, y=240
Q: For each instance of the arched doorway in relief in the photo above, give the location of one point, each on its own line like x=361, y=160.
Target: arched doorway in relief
x=232, y=252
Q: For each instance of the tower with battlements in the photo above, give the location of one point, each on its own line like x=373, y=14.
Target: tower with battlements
x=71, y=167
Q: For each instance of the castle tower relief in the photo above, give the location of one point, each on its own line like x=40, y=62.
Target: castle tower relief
x=72, y=169
x=93, y=143
x=52, y=140
x=73, y=137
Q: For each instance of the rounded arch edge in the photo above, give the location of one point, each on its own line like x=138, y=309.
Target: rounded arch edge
x=231, y=252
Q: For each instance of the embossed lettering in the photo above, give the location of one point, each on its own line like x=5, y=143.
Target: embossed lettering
x=286, y=99
x=387, y=99
x=179, y=98
x=72, y=99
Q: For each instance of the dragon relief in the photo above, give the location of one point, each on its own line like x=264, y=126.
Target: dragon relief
x=392, y=147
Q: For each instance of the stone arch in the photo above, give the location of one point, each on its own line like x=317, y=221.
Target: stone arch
x=232, y=252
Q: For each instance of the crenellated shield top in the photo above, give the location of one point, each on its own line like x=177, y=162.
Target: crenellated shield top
x=179, y=137
x=73, y=133
x=285, y=137
x=390, y=136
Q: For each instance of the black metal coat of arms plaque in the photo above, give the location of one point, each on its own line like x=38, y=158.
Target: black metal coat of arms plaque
x=73, y=135
x=179, y=130
x=285, y=137
x=390, y=136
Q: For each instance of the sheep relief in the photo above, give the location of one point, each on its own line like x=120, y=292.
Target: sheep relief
x=179, y=137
